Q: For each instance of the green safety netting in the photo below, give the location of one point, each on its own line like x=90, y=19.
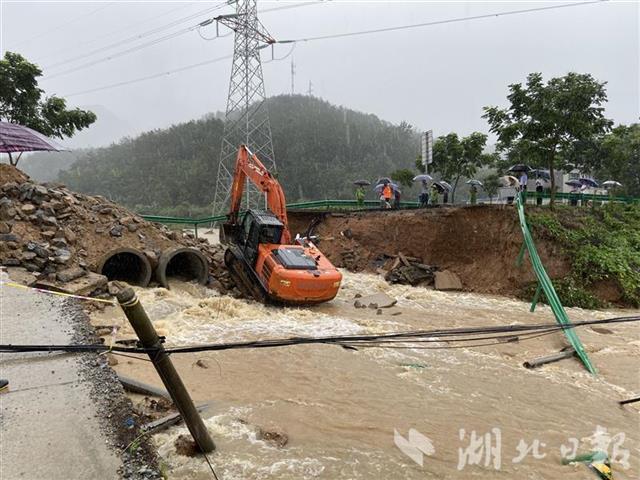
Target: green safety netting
x=545, y=285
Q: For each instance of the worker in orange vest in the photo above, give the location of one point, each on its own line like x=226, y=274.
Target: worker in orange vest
x=387, y=193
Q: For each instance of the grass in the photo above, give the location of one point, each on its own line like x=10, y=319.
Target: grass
x=602, y=243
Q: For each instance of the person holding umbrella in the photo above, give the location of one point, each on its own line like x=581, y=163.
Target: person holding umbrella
x=424, y=180
x=435, y=191
x=575, y=191
x=360, y=196
x=385, y=190
x=539, y=190
x=609, y=185
x=473, y=191
x=360, y=193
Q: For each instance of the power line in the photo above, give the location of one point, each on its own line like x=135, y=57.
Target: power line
x=348, y=34
x=62, y=25
x=128, y=27
x=123, y=52
x=154, y=41
x=149, y=77
x=139, y=36
x=441, y=22
x=408, y=339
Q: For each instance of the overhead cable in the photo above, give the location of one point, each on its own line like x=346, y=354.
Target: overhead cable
x=140, y=36
x=441, y=22
x=149, y=77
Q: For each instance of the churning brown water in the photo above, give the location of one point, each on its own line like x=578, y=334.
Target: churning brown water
x=476, y=411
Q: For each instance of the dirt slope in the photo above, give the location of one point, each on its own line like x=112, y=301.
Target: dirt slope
x=480, y=244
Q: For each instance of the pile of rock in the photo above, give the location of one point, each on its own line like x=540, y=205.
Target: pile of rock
x=408, y=271
x=60, y=236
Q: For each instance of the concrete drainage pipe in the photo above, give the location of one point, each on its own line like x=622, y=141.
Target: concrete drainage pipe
x=126, y=264
x=184, y=264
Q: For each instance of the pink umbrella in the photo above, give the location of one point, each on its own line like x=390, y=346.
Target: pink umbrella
x=16, y=138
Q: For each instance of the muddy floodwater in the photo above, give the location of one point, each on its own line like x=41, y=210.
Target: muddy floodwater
x=471, y=412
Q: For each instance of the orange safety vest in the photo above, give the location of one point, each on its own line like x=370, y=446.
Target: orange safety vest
x=386, y=191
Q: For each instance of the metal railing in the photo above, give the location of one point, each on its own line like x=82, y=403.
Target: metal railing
x=375, y=205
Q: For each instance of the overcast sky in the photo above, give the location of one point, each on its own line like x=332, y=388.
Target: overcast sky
x=436, y=77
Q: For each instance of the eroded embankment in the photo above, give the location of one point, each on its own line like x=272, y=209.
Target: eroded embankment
x=480, y=244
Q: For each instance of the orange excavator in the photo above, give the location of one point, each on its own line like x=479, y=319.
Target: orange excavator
x=260, y=254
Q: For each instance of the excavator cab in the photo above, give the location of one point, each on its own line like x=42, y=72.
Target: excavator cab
x=258, y=227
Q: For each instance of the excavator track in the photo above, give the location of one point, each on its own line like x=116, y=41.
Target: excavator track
x=244, y=277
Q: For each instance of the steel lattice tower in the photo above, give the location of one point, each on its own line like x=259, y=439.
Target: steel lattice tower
x=246, y=119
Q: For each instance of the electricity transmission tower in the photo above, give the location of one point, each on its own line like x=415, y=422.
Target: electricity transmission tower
x=246, y=120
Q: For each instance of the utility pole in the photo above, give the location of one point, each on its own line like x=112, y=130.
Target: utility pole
x=246, y=119
x=293, y=74
x=310, y=90
x=143, y=327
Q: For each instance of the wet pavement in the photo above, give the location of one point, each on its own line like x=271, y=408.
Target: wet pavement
x=49, y=425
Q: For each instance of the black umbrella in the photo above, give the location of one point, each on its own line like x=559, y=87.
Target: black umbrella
x=441, y=188
x=540, y=173
x=384, y=180
x=589, y=182
x=520, y=167
x=362, y=183
x=446, y=185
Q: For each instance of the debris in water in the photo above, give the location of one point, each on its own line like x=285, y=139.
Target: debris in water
x=273, y=436
x=375, y=301
x=185, y=446
x=201, y=363
x=407, y=271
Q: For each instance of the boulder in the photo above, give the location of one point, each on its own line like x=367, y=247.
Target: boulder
x=70, y=274
x=447, y=280
x=28, y=209
x=377, y=300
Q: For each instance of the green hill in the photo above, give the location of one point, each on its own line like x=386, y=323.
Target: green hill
x=320, y=149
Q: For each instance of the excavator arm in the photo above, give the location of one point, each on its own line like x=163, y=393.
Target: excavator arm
x=249, y=167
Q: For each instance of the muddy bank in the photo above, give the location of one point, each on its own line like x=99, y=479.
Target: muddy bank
x=480, y=244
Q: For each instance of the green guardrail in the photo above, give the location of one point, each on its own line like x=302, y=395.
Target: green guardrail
x=583, y=197
x=368, y=204
x=320, y=204
x=545, y=285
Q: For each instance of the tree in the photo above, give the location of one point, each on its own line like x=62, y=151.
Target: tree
x=490, y=184
x=618, y=158
x=545, y=123
x=159, y=170
x=455, y=158
x=403, y=176
x=21, y=101
x=419, y=165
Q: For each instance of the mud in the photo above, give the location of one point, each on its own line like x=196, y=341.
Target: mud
x=480, y=244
